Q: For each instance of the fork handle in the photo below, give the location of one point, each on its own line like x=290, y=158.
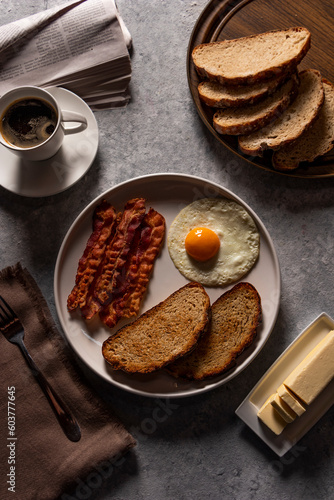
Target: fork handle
x=67, y=422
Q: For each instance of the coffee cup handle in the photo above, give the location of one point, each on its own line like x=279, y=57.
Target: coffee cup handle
x=72, y=116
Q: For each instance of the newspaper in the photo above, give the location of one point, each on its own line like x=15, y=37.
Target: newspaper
x=82, y=46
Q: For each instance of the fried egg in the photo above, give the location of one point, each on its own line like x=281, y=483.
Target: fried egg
x=214, y=241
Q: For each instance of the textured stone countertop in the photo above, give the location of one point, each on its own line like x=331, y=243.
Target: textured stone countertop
x=202, y=450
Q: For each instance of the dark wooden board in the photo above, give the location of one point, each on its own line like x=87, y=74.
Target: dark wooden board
x=236, y=18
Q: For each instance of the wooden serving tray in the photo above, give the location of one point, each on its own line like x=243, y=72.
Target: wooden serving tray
x=229, y=19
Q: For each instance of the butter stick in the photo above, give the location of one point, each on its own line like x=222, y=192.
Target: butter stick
x=283, y=409
x=315, y=372
x=270, y=417
x=289, y=398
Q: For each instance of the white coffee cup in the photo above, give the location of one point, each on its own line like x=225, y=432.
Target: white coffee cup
x=53, y=142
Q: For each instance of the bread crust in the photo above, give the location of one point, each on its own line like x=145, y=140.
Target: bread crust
x=315, y=142
x=217, y=350
x=158, y=337
x=291, y=124
x=246, y=120
x=254, y=75
x=216, y=95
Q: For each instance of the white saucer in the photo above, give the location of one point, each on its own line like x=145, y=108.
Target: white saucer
x=48, y=177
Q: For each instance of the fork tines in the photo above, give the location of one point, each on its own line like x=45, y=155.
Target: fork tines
x=7, y=314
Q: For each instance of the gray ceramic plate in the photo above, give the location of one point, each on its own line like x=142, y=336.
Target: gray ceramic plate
x=168, y=194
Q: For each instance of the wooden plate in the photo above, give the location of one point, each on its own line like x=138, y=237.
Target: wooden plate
x=236, y=18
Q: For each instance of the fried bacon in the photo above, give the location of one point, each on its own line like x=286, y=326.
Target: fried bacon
x=136, y=276
x=115, y=269
x=92, y=306
x=108, y=313
x=104, y=223
x=117, y=252
x=115, y=258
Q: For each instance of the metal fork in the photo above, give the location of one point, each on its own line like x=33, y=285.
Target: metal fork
x=13, y=331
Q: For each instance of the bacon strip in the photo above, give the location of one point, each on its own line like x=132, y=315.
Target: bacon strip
x=126, y=302
x=92, y=306
x=108, y=313
x=152, y=243
x=104, y=218
x=115, y=257
x=114, y=270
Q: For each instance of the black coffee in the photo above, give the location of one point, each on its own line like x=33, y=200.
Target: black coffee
x=28, y=122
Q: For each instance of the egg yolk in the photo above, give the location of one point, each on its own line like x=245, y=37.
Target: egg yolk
x=202, y=243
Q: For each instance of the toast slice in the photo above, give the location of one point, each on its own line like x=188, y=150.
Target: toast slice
x=162, y=334
x=295, y=120
x=254, y=58
x=235, y=317
x=217, y=95
x=316, y=141
x=245, y=120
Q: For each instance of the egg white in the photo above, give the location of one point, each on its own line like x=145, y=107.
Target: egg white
x=238, y=235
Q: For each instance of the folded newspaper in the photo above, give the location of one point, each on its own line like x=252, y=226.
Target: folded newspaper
x=82, y=46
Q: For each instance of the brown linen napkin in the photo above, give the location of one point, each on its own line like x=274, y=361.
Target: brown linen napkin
x=46, y=463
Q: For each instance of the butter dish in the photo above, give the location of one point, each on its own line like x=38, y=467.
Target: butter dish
x=274, y=377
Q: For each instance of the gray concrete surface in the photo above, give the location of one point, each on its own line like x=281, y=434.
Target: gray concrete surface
x=202, y=450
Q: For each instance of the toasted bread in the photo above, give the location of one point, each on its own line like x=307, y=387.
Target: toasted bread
x=247, y=119
x=254, y=58
x=235, y=316
x=162, y=334
x=316, y=141
x=291, y=124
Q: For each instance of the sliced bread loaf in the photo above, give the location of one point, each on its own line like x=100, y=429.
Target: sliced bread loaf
x=161, y=334
x=235, y=317
x=316, y=141
x=290, y=125
x=237, y=121
x=253, y=58
x=217, y=95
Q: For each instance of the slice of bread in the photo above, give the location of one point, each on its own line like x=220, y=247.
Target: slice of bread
x=161, y=334
x=235, y=317
x=217, y=95
x=295, y=120
x=237, y=121
x=253, y=58
x=316, y=141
